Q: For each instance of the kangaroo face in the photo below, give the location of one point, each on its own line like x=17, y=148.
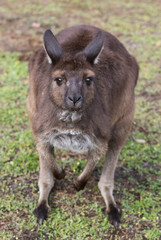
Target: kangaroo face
x=72, y=89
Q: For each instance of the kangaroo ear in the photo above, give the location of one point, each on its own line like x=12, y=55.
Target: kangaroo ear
x=94, y=48
x=52, y=47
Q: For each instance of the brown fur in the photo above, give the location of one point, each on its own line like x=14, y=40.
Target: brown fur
x=107, y=104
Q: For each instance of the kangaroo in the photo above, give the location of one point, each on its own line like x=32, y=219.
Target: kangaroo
x=81, y=98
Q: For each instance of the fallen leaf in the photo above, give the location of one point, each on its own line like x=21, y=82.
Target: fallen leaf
x=139, y=140
x=35, y=24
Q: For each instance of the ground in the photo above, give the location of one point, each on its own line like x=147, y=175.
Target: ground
x=80, y=215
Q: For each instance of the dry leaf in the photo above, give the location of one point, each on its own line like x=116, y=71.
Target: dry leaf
x=35, y=24
x=139, y=140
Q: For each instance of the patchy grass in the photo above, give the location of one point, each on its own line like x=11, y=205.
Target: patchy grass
x=79, y=215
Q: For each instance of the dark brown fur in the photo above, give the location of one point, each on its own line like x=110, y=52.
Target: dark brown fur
x=107, y=107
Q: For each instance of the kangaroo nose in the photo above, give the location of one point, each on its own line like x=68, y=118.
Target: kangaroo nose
x=75, y=99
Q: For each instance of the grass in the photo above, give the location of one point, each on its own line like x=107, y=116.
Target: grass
x=79, y=215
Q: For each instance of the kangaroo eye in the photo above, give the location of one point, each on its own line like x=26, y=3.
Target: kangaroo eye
x=89, y=80
x=58, y=80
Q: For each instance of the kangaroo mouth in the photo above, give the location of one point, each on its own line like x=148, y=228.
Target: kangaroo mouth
x=70, y=116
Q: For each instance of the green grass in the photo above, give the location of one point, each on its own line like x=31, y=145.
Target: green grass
x=79, y=215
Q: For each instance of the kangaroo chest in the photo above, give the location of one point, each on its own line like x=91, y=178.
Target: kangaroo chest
x=69, y=139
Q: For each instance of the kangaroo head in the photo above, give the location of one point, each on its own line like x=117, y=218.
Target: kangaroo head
x=72, y=84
